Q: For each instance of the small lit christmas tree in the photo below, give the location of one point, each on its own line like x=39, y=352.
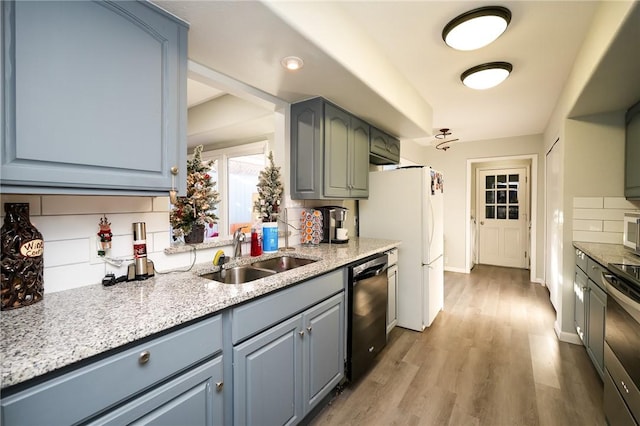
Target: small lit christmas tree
x=269, y=192
x=197, y=208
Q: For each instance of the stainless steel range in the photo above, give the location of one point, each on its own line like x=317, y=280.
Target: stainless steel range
x=622, y=345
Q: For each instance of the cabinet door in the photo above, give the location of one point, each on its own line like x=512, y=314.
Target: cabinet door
x=194, y=398
x=307, y=149
x=580, y=292
x=337, y=127
x=392, y=292
x=101, y=105
x=267, y=381
x=632, y=154
x=359, y=159
x=596, y=311
x=323, y=350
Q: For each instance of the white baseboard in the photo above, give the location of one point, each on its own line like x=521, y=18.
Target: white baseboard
x=459, y=270
x=564, y=336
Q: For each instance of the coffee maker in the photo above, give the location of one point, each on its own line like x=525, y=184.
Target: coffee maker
x=334, y=225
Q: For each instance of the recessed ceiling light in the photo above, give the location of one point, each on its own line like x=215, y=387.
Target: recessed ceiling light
x=487, y=75
x=292, y=63
x=476, y=28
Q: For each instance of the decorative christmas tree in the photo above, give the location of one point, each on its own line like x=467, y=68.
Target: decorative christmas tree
x=269, y=192
x=197, y=208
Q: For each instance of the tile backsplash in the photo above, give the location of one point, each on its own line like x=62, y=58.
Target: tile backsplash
x=69, y=226
x=600, y=219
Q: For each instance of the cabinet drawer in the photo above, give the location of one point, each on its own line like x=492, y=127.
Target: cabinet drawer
x=249, y=319
x=82, y=393
x=595, y=270
x=581, y=260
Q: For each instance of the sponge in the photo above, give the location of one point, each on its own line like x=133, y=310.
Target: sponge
x=217, y=257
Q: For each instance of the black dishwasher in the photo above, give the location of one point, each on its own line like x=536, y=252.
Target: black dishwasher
x=367, y=307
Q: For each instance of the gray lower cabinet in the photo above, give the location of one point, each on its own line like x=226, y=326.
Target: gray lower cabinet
x=173, y=379
x=282, y=373
x=392, y=290
x=100, y=107
x=193, y=398
x=597, y=308
x=329, y=152
x=590, y=306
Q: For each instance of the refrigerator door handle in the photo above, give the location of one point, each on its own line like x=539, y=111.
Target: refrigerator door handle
x=432, y=262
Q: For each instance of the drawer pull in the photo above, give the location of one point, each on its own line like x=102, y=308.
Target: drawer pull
x=301, y=333
x=309, y=329
x=144, y=357
x=219, y=386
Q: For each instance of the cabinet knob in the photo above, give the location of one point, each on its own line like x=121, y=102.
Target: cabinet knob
x=144, y=357
x=174, y=170
x=309, y=329
x=301, y=333
x=219, y=386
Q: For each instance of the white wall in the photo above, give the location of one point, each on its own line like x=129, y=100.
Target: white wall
x=453, y=164
x=592, y=148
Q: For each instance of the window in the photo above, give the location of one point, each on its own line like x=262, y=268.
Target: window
x=236, y=172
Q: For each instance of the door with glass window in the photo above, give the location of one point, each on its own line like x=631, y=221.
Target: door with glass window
x=503, y=217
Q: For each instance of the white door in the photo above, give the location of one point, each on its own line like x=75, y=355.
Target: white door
x=503, y=217
x=553, y=224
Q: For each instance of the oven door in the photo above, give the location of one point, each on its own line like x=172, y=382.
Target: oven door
x=622, y=337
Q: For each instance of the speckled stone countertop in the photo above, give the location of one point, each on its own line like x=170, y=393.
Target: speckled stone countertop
x=608, y=253
x=70, y=326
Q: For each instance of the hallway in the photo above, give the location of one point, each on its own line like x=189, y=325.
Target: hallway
x=490, y=358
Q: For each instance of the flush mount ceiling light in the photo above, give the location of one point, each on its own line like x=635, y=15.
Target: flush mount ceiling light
x=476, y=28
x=292, y=63
x=487, y=75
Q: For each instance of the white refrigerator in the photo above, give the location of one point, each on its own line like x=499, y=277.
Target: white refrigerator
x=406, y=204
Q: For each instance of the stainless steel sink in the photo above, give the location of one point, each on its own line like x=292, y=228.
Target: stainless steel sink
x=238, y=275
x=282, y=263
x=257, y=270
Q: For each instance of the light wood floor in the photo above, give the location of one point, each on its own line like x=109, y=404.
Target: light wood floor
x=490, y=358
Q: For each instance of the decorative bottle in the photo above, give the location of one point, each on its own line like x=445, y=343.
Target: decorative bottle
x=22, y=260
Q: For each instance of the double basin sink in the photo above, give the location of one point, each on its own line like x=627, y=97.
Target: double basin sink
x=257, y=270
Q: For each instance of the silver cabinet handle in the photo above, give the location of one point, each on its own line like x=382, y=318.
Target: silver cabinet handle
x=219, y=386
x=144, y=357
x=301, y=333
x=309, y=329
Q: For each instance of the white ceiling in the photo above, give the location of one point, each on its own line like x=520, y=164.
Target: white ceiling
x=386, y=62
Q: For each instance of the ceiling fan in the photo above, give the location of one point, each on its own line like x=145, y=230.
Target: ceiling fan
x=441, y=139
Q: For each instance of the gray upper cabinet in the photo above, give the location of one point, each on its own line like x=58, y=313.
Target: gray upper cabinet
x=329, y=152
x=632, y=153
x=384, y=148
x=94, y=97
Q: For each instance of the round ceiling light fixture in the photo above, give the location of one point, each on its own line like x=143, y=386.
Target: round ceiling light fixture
x=292, y=63
x=486, y=76
x=476, y=28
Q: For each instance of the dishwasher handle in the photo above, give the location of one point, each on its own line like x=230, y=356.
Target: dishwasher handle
x=370, y=269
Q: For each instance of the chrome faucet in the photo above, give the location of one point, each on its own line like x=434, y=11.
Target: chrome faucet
x=238, y=239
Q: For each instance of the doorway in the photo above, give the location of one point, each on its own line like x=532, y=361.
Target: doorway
x=528, y=161
x=502, y=217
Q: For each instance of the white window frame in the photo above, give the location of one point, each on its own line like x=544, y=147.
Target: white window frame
x=222, y=155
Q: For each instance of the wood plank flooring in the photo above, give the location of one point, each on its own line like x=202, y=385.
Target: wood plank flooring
x=490, y=358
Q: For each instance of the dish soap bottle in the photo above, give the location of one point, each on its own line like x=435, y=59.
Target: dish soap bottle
x=256, y=241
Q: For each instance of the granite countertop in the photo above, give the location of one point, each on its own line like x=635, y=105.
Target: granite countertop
x=73, y=325
x=608, y=253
